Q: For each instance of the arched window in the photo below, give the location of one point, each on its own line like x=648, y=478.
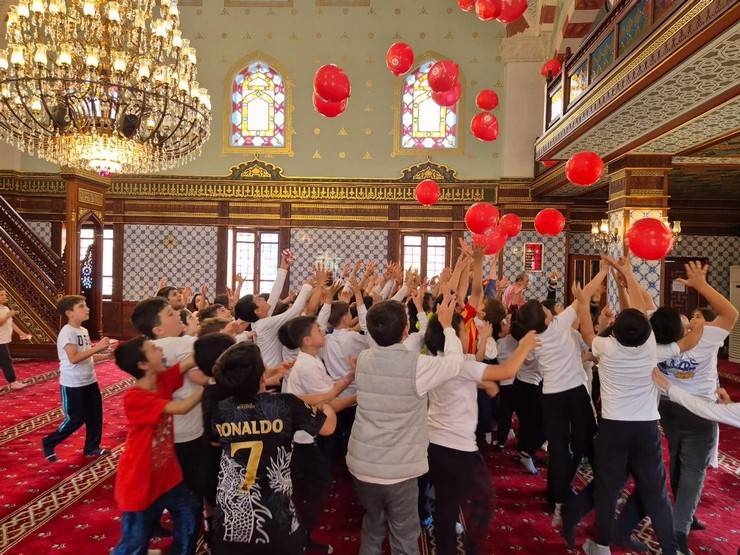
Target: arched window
x=424, y=124
x=259, y=114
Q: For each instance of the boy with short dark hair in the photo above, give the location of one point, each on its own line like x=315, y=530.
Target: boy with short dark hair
x=254, y=512
x=81, y=399
x=156, y=319
x=173, y=295
x=392, y=381
x=149, y=478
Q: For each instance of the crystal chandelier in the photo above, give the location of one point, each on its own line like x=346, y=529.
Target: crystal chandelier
x=102, y=86
x=603, y=237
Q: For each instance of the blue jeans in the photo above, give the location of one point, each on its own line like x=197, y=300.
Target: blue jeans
x=136, y=527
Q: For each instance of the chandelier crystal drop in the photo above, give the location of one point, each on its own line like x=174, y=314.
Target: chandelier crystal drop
x=109, y=87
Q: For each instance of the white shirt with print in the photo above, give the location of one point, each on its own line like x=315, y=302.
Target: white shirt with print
x=82, y=373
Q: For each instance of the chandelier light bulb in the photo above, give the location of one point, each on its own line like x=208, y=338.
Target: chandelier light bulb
x=3, y=61
x=65, y=55
x=55, y=6
x=37, y=7
x=114, y=13
x=177, y=39
x=22, y=9
x=89, y=9
x=119, y=62
x=92, y=59
x=40, y=56
x=5, y=90
x=144, y=70
x=17, y=58
x=36, y=104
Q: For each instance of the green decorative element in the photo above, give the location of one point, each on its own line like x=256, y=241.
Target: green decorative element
x=634, y=25
x=578, y=81
x=602, y=57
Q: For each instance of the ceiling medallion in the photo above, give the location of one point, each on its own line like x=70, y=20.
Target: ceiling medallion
x=109, y=87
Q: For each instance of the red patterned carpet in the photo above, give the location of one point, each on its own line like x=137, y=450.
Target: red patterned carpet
x=67, y=508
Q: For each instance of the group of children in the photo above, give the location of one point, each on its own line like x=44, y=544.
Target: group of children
x=241, y=412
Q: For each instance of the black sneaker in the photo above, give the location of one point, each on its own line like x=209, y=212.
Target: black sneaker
x=319, y=547
x=49, y=454
x=697, y=524
x=99, y=452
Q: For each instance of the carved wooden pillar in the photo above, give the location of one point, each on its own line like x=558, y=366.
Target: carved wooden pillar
x=85, y=203
x=638, y=188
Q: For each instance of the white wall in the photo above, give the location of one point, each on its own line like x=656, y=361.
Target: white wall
x=523, y=105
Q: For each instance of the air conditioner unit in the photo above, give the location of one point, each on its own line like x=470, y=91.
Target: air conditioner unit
x=735, y=300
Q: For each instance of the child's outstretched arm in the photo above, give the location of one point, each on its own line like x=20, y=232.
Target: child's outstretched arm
x=509, y=369
x=696, y=278
x=183, y=406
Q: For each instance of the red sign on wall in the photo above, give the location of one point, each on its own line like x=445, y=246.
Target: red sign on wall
x=533, y=257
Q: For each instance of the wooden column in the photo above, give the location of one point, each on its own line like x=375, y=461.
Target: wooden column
x=85, y=203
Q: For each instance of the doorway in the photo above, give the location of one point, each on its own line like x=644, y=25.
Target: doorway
x=675, y=294
x=582, y=268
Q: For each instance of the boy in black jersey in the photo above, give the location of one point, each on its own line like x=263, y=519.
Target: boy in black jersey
x=254, y=510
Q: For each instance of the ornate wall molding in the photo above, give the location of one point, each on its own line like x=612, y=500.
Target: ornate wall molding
x=262, y=181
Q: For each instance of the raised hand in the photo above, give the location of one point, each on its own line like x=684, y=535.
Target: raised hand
x=344, y=271
x=235, y=327
x=696, y=274
x=465, y=248
x=502, y=284
x=660, y=380
x=187, y=294
x=287, y=259
x=321, y=274
x=446, y=309
x=723, y=397
x=162, y=283
x=485, y=331
x=578, y=293
x=25, y=336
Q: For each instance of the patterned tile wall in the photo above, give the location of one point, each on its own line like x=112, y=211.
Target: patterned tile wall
x=554, y=254
x=42, y=229
x=184, y=254
x=333, y=247
x=580, y=243
x=722, y=251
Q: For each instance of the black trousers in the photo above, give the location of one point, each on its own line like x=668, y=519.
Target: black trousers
x=461, y=479
x=309, y=471
x=334, y=446
x=81, y=405
x=624, y=447
x=191, y=456
x=505, y=412
x=569, y=428
x=528, y=408
x=485, y=418
x=6, y=363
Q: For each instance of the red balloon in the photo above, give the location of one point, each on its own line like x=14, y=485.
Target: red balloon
x=427, y=192
x=511, y=10
x=487, y=100
x=584, y=168
x=549, y=222
x=553, y=66
x=448, y=98
x=399, y=58
x=443, y=75
x=481, y=217
x=484, y=126
x=492, y=240
x=466, y=5
x=549, y=163
x=511, y=224
x=649, y=238
x=331, y=83
x=487, y=10
x=326, y=108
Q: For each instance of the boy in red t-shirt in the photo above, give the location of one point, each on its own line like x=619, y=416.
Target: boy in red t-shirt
x=149, y=478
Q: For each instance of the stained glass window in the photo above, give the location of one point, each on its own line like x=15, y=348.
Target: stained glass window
x=258, y=106
x=425, y=124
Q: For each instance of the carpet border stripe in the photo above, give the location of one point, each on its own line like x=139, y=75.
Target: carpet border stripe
x=33, y=380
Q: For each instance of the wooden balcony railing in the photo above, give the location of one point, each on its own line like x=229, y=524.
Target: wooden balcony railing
x=622, y=31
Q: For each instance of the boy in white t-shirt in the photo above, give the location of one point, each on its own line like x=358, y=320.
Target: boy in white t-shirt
x=81, y=399
x=309, y=381
x=690, y=437
x=566, y=406
x=629, y=439
x=156, y=319
x=7, y=327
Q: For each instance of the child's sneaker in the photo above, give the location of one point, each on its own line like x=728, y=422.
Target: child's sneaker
x=590, y=547
x=49, y=454
x=319, y=548
x=528, y=463
x=489, y=438
x=459, y=529
x=99, y=452
x=557, y=518
x=427, y=523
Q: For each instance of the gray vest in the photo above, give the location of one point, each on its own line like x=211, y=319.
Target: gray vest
x=389, y=437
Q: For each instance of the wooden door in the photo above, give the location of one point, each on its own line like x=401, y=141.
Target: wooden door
x=582, y=268
x=676, y=295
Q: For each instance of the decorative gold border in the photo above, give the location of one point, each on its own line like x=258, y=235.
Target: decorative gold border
x=398, y=93
x=243, y=62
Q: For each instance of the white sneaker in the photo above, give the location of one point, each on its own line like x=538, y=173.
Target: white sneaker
x=528, y=463
x=459, y=529
x=590, y=547
x=511, y=435
x=489, y=438
x=557, y=519
x=544, y=447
